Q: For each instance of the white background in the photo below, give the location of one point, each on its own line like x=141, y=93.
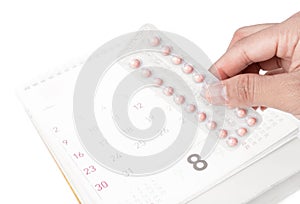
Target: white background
x=36, y=36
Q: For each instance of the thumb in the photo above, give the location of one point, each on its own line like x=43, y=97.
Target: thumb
x=248, y=90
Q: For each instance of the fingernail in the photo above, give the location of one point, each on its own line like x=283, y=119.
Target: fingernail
x=217, y=72
x=213, y=70
x=216, y=94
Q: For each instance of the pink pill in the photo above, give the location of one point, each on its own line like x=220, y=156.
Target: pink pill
x=135, y=63
x=241, y=113
x=146, y=73
x=232, y=141
x=251, y=121
x=176, y=60
x=201, y=116
x=188, y=69
x=168, y=91
x=211, y=125
x=190, y=108
x=198, y=78
x=158, y=81
x=242, y=132
x=155, y=41
x=166, y=50
x=223, y=133
x=179, y=99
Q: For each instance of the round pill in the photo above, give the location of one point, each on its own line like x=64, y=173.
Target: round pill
x=188, y=69
x=198, y=78
x=232, y=141
x=242, y=132
x=201, y=116
x=251, y=121
x=241, y=113
x=166, y=50
x=179, y=99
x=168, y=91
x=176, y=60
x=158, y=81
x=146, y=73
x=135, y=63
x=155, y=41
x=223, y=133
x=211, y=125
x=190, y=108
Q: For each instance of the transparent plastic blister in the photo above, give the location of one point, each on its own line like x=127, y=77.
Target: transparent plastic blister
x=151, y=50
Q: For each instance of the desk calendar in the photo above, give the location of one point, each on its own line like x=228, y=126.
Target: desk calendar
x=119, y=166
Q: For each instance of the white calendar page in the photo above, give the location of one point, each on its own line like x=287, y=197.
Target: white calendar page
x=49, y=103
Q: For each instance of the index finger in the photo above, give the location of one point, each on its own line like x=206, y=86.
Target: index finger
x=257, y=47
x=248, y=30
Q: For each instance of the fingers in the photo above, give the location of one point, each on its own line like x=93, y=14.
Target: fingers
x=238, y=35
x=260, y=46
x=248, y=30
x=272, y=48
x=248, y=90
x=273, y=64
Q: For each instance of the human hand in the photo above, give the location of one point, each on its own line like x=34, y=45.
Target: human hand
x=274, y=48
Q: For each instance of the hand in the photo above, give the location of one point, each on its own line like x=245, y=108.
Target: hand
x=274, y=48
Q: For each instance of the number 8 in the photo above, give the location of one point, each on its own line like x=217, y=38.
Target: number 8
x=198, y=160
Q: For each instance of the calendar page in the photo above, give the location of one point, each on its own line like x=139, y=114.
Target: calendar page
x=108, y=161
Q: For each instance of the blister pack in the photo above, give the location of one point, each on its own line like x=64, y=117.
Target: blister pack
x=156, y=56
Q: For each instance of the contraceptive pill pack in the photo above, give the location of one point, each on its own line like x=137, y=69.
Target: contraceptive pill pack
x=152, y=53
